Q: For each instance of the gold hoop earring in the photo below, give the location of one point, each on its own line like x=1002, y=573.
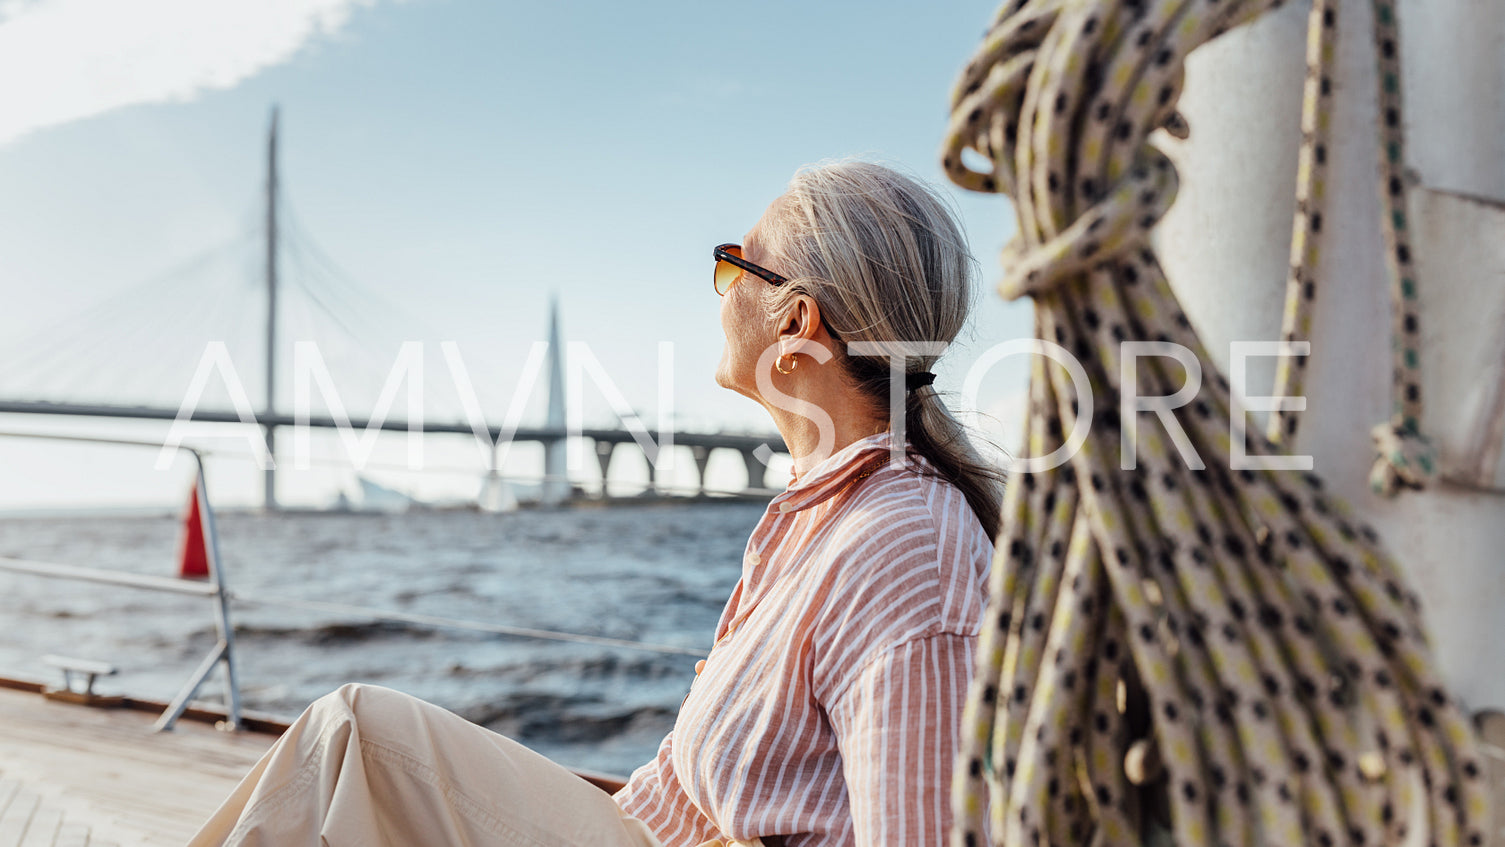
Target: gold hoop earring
x=778, y=364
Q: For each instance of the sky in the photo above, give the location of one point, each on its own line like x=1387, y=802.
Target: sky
x=448, y=167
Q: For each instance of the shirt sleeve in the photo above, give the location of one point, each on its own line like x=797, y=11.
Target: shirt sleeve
x=653, y=795
x=898, y=728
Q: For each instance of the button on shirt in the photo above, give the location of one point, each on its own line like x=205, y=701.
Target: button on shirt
x=829, y=708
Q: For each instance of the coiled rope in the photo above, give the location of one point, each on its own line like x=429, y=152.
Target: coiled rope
x=1182, y=651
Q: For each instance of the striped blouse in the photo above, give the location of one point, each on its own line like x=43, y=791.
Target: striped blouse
x=829, y=708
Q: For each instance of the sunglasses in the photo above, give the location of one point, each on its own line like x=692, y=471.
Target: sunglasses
x=730, y=265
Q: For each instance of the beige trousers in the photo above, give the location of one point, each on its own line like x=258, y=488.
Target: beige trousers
x=370, y=766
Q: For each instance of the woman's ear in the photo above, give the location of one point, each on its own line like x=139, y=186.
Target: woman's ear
x=800, y=324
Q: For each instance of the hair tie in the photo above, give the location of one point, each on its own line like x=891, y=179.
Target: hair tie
x=918, y=380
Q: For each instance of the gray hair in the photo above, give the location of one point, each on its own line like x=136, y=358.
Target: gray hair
x=883, y=257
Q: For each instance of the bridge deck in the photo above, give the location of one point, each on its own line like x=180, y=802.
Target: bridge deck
x=735, y=441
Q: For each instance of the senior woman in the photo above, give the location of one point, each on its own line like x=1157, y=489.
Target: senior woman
x=829, y=708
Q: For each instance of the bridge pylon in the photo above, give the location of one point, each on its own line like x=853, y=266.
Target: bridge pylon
x=556, y=486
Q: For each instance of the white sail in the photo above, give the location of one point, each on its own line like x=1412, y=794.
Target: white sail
x=379, y=498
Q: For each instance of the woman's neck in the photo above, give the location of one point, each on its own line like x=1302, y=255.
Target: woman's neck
x=844, y=416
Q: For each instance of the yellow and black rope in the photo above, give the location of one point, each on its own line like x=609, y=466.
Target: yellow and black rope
x=1182, y=650
x=1406, y=459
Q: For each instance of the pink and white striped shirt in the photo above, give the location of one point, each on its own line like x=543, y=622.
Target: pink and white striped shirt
x=829, y=708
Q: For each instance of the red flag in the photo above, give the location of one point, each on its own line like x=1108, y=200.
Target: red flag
x=193, y=554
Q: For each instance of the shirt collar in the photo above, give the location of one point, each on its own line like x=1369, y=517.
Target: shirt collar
x=832, y=474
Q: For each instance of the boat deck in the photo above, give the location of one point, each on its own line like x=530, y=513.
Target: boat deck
x=85, y=777
x=73, y=776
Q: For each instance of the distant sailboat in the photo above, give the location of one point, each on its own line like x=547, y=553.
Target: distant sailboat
x=379, y=498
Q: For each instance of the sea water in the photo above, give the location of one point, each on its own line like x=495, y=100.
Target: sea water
x=656, y=572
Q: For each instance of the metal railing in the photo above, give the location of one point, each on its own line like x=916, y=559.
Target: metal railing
x=216, y=590
x=224, y=649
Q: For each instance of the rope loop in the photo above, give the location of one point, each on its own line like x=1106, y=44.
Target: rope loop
x=1117, y=224
x=1406, y=459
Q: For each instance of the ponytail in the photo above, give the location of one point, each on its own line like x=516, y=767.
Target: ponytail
x=937, y=436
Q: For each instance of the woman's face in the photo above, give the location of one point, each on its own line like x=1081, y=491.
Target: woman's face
x=749, y=330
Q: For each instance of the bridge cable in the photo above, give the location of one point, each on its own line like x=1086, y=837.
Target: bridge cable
x=55, y=347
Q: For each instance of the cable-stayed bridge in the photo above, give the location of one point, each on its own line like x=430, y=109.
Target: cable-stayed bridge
x=240, y=301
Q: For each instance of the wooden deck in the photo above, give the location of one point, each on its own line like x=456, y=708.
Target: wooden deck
x=81, y=777
x=73, y=776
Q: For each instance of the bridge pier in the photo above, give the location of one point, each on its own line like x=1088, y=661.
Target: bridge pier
x=269, y=475
x=756, y=469
x=652, y=490
x=604, y=451
x=556, y=487
x=702, y=459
